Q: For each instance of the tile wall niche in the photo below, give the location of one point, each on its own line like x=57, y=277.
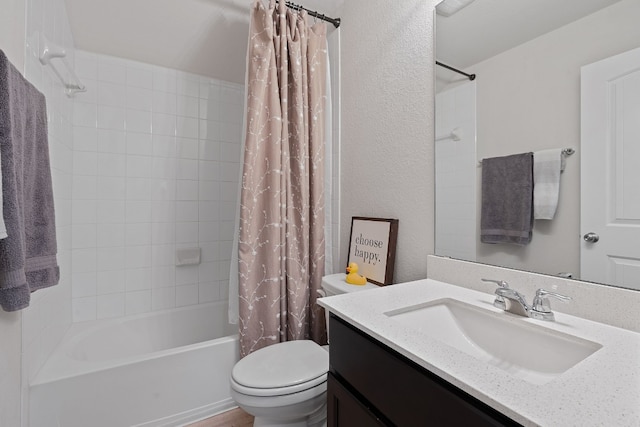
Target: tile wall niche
x=156, y=157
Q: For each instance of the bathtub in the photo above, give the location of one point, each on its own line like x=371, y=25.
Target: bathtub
x=165, y=368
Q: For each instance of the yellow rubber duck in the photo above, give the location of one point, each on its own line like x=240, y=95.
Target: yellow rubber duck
x=353, y=277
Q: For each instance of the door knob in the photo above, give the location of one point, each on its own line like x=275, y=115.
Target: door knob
x=591, y=237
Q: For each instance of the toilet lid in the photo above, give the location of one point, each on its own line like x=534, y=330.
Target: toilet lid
x=282, y=365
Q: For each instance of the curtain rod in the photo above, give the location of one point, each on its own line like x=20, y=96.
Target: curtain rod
x=469, y=76
x=334, y=21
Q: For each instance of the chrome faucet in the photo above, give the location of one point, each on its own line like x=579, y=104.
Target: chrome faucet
x=541, y=308
x=499, y=301
x=514, y=302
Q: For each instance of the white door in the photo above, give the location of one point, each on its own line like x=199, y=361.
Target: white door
x=610, y=171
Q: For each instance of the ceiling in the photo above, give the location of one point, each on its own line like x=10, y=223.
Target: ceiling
x=207, y=37
x=486, y=28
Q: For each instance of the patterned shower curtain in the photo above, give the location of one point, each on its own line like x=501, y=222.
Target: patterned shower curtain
x=281, y=245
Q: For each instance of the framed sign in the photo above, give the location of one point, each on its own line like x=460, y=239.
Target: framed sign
x=372, y=246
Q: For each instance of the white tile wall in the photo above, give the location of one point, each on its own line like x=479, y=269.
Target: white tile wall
x=456, y=169
x=48, y=317
x=156, y=160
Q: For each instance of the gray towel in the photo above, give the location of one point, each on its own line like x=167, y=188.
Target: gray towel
x=3, y=228
x=507, y=199
x=28, y=255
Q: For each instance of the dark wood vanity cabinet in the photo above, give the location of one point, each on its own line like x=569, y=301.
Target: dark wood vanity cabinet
x=371, y=384
x=346, y=409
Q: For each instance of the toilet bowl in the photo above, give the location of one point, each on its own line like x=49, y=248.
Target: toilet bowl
x=285, y=384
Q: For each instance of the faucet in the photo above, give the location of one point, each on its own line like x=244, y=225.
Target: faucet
x=541, y=308
x=499, y=301
x=514, y=302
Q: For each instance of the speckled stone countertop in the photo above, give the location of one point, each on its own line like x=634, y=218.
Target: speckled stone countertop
x=601, y=390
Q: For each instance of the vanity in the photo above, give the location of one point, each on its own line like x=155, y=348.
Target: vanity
x=438, y=351
x=432, y=353
x=400, y=392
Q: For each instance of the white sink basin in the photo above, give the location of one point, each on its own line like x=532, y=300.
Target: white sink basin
x=532, y=353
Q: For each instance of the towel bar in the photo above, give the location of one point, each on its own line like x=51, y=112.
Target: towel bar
x=565, y=152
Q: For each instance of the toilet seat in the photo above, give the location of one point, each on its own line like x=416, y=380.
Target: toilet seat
x=281, y=369
x=278, y=391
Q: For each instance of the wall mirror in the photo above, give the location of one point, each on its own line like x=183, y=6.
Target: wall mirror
x=530, y=58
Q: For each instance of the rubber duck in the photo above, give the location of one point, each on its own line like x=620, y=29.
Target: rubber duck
x=353, y=277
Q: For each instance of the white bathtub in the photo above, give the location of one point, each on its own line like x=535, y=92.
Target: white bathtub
x=164, y=368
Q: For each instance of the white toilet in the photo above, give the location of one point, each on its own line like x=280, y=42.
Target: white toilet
x=285, y=384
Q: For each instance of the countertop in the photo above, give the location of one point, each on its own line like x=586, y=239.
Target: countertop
x=601, y=390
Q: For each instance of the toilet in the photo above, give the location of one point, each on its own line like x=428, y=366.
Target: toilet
x=285, y=384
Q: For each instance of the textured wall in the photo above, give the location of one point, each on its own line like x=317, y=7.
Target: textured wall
x=387, y=124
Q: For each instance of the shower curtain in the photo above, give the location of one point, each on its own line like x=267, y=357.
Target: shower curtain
x=281, y=242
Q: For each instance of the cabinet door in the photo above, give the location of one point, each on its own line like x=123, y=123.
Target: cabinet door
x=402, y=392
x=345, y=410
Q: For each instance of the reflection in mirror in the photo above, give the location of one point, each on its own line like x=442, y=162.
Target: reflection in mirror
x=528, y=56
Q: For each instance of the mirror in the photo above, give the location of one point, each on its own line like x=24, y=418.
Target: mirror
x=527, y=57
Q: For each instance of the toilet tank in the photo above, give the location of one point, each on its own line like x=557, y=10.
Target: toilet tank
x=335, y=284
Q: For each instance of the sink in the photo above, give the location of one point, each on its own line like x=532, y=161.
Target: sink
x=532, y=353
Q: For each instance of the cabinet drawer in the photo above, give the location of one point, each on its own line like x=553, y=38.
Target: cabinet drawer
x=404, y=392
